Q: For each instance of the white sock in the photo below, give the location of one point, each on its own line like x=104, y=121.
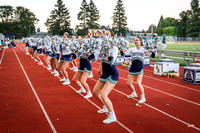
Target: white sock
x=142, y=96
x=54, y=70
x=82, y=88
x=67, y=80
x=89, y=92
x=104, y=106
x=64, y=78
x=112, y=114
x=134, y=93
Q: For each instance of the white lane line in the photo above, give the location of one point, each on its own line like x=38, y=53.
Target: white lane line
x=122, y=125
x=154, y=108
x=2, y=55
x=38, y=99
x=163, y=92
x=161, y=80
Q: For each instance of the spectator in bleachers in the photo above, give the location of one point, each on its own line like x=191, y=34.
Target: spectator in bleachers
x=12, y=44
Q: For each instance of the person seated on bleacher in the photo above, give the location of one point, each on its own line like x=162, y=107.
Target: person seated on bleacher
x=1, y=46
x=6, y=43
x=12, y=43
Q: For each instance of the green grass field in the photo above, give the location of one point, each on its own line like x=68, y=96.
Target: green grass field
x=190, y=47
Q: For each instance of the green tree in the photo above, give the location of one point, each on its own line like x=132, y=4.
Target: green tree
x=6, y=13
x=58, y=21
x=92, y=16
x=170, y=31
x=19, y=21
x=193, y=27
x=82, y=28
x=160, y=26
x=119, y=19
x=182, y=23
x=169, y=22
x=25, y=21
x=152, y=28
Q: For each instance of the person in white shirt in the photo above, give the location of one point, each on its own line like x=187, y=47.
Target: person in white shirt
x=65, y=60
x=136, y=68
x=107, y=81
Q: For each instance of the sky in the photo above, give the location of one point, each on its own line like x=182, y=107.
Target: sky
x=140, y=13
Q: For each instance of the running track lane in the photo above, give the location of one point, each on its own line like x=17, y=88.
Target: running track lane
x=68, y=111
x=19, y=111
x=165, y=128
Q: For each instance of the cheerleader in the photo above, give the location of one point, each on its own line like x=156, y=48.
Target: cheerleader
x=31, y=47
x=91, y=74
x=47, y=56
x=27, y=46
x=136, y=69
x=83, y=72
x=39, y=51
x=66, y=58
x=34, y=46
x=55, y=57
x=107, y=81
x=74, y=56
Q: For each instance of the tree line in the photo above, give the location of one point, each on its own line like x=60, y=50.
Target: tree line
x=188, y=25
x=18, y=21
x=21, y=21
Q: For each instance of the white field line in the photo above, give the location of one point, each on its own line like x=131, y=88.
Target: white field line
x=38, y=99
x=161, y=80
x=2, y=55
x=123, y=126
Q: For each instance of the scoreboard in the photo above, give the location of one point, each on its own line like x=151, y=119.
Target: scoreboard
x=96, y=32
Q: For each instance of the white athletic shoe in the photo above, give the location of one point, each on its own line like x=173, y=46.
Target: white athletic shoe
x=72, y=68
x=90, y=76
x=110, y=120
x=63, y=79
x=27, y=53
x=104, y=110
x=40, y=63
x=132, y=96
x=82, y=90
x=67, y=82
x=35, y=60
x=53, y=72
x=88, y=95
x=56, y=74
x=75, y=69
x=48, y=68
x=142, y=100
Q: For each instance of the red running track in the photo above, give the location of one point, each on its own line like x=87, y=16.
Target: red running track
x=172, y=106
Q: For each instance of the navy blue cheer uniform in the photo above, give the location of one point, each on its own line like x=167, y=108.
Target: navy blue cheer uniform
x=109, y=70
x=137, y=66
x=39, y=48
x=85, y=64
x=48, y=49
x=65, y=54
x=34, y=46
x=56, y=51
